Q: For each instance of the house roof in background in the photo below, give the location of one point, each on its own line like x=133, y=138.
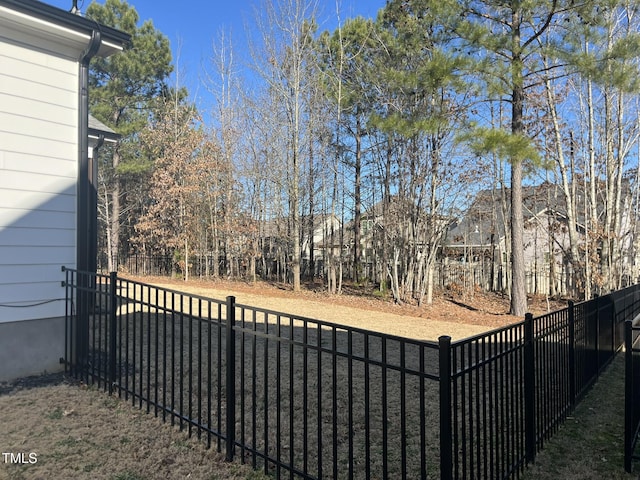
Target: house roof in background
x=97, y=129
x=485, y=216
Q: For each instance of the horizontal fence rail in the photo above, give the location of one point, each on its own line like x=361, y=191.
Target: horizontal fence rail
x=302, y=398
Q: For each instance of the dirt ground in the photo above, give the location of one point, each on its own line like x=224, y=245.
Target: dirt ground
x=456, y=314
x=54, y=428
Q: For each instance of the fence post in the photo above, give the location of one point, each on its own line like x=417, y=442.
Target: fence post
x=572, y=354
x=597, y=337
x=629, y=427
x=231, y=378
x=68, y=321
x=113, y=328
x=82, y=325
x=446, y=436
x=529, y=390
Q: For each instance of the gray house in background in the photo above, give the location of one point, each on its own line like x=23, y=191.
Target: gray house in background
x=478, y=240
x=47, y=189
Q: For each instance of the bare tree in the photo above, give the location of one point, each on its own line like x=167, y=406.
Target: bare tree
x=224, y=85
x=287, y=28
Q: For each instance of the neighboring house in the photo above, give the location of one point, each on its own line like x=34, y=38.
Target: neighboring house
x=275, y=234
x=404, y=221
x=47, y=196
x=320, y=240
x=479, y=238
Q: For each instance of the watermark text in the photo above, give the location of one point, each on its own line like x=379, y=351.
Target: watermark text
x=20, y=458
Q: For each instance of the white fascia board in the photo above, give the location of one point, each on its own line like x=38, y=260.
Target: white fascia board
x=112, y=48
x=42, y=27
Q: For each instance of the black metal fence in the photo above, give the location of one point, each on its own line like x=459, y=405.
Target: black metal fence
x=148, y=265
x=303, y=398
x=632, y=392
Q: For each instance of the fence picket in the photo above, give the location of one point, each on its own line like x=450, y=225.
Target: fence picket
x=529, y=389
x=113, y=328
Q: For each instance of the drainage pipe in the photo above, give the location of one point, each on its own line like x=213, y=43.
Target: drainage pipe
x=84, y=300
x=83, y=240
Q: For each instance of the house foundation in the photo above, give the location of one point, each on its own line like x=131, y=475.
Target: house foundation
x=31, y=347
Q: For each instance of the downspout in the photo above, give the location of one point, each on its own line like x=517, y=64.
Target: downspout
x=83, y=240
x=84, y=300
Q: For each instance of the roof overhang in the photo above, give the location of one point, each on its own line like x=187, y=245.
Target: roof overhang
x=30, y=19
x=99, y=133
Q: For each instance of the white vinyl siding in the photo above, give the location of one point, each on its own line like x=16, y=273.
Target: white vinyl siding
x=38, y=171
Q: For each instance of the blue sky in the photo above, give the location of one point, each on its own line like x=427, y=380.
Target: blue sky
x=192, y=26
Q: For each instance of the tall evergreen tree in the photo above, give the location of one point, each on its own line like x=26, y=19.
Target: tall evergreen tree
x=505, y=39
x=422, y=102
x=510, y=43
x=122, y=89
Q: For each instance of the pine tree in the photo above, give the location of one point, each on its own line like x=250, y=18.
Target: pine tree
x=122, y=89
x=505, y=41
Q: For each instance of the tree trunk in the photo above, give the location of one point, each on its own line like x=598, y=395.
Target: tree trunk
x=357, y=264
x=518, y=286
x=115, y=215
x=592, y=219
x=311, y=225
x=295, y=228
x=568, y=196
x=186, y=260
x=215, y=240
x=107, y=224
x=393, y=276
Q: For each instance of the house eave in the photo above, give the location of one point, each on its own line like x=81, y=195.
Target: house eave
x=51, y=24
x=469, y=245
x=98, y=132
x=93, y=135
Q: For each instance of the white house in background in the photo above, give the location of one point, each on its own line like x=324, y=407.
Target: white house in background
x=46, y=192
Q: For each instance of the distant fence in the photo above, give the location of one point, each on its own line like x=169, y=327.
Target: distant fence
x=199, y=265
x=309, y=399
x=141, y=265
x=491, y=276
x=447, y=274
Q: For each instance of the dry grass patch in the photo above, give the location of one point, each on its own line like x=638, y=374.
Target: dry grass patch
x=81, y=433
x=590, y=444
